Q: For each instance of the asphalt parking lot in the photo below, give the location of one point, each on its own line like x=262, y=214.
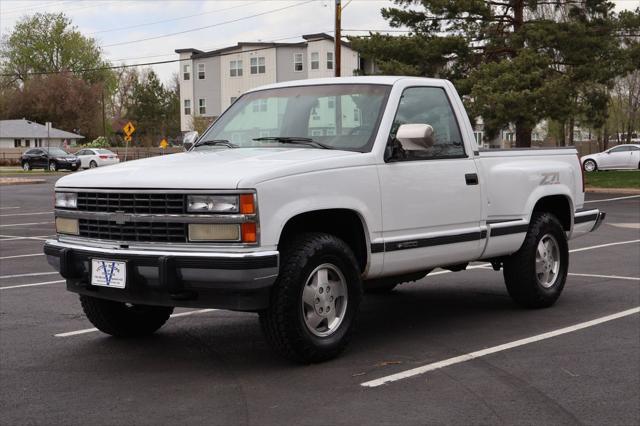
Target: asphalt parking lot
x=214, y=367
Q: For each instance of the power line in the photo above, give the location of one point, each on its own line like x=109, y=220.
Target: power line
x=209, y=26
x=20, y=9
x=271, y=40
x=113, y=67
x=173, y=19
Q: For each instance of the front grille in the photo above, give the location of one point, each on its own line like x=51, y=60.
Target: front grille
x=131, y=203
x=161, y=232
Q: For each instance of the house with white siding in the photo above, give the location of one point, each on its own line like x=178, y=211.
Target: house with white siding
x=24, y=133
x=211, y=81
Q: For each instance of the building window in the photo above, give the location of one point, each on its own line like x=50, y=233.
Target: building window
x=331, y=103
x=356, y=114
x=27, y=143
x=316, y=132
x=200, y=71
x=202, y=106
x=315, y=60
x=260, y=105
x=329, y=60
x=297, y=62
x=17, y=143
x=187, y=107
x=478, y=136
x=258, y=65
x=186, y=72
x=235, y=68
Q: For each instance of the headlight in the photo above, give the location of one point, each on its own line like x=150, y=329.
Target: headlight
x=243, y=203
x=67, y=200
x=67, y=226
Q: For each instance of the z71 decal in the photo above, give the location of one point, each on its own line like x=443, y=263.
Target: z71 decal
x=550, y=178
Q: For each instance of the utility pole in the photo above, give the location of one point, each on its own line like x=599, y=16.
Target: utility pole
x=338, y=44
x=104, y=125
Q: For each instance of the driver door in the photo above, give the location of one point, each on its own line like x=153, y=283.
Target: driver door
x=617, y=158
x=431, y=199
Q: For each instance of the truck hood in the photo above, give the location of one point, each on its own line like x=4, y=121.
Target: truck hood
x=211, y=169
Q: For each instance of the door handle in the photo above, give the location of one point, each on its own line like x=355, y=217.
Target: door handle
x=471, y=178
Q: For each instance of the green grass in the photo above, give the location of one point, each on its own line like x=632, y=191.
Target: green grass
x=613, y=179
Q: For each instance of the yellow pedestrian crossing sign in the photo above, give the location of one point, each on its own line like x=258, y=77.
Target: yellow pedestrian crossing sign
x=128, y=129
x=164, y=144
x=127, y=138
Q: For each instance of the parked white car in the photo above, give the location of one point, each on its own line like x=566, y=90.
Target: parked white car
x=91, y=158
x=619, y=157
x=294, y=211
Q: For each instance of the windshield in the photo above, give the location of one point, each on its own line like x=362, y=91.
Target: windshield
x=339, y=116
x=56, y=151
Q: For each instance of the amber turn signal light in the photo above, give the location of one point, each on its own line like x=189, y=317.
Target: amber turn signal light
x=249, y=232
x=247, y=204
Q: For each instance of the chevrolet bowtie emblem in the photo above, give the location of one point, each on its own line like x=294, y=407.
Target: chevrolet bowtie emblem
x=120, y=219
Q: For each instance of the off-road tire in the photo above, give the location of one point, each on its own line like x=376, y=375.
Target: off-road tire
x=283, y=323
x=121, y=320
x=520, y=269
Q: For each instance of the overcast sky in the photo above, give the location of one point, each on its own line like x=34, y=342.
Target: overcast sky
x=118, y=24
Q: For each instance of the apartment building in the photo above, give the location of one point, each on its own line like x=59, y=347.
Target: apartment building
x=211, y=81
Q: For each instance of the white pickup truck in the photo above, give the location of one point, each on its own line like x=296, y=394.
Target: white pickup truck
x=304, y=195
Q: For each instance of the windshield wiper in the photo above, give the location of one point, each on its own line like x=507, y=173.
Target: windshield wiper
x=296, y=140
x=222, y=142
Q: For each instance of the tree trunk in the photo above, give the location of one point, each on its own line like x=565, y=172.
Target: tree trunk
x=561, y=136
x=523, y=135
x=572, y=124
x=605, y=138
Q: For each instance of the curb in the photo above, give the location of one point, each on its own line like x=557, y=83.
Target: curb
x=626, y=191
x=19, y=181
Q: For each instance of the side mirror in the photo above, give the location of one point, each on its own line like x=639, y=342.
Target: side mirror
x=415, y=137
x=189, y=139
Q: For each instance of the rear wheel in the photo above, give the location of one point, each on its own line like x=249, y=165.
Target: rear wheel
x=315, y=299
x=535, y=275
x=122, y=319
x=93, y=164
x=590, y=166
x=26, y=166
x=53, y=166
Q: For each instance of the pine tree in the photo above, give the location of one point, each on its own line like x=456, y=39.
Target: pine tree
x=517, y=61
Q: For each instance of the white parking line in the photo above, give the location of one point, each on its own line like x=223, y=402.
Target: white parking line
x=91, y=330
x=488, y=351
x=32, y=285
x=603, y=245
x=17, y=237
x=33, y=274
x=612, y=199
x=21, y=255
x=24, y=214
x=614, y=277
x=26, y=224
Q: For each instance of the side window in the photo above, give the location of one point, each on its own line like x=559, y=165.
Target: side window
x=619, y=149
x=429, y=105
x=634, y=148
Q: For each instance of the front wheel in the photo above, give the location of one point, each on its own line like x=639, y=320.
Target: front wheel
x=590, y=166
x=535, y=275
x=53, y=166
x=26, y=166
x=315, y=299
x=124, y=320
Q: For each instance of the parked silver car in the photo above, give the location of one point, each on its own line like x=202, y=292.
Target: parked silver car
x=619, y=157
